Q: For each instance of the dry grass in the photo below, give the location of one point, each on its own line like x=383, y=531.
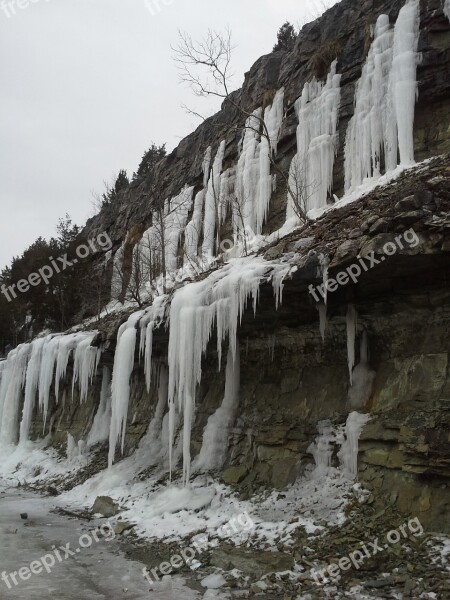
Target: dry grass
x=322, y=59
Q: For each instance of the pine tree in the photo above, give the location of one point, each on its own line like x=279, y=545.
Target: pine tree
x=150, y=159
x=286, y=38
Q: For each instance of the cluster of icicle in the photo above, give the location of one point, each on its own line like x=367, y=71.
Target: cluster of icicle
x=29, y=371
x=244, y=190
x=160, y=243
x=381, y=130
x=346, y=438
x=311, y=171
x=196, y=309
x=379, y=138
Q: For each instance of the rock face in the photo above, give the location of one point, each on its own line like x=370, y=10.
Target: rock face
x=342, y=32
x=290, y=378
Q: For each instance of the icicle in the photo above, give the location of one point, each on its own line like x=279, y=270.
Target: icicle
x=278, y=284
x=175, y=218
x=49, y=356
x=273, y=118
x=325, y=262
x=193, y=229
x=403, y=84
x=352, y=322
x=153, y=447
x=219, y=299
x=322, y=308
x=148, y=354
x=31, y=386
x=72, y=448
x=247, y=174
x=311, y=171
x=253, y=177
x=348, y=453
x=384, y=101
x=100, y=426
x=67, y=344
x=85, y=363
x=363, y=378
x=13, y=380
x=227, y=183
x=217, y=430
x=120, y=388
x=206, y=165
x=211, y=203
x=322, y=448
x=160, y=243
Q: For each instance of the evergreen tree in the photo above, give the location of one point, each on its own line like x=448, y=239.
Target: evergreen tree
x=286, y=38
x=150, y=159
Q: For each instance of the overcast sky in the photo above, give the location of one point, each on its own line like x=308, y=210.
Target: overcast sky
x=87, y=85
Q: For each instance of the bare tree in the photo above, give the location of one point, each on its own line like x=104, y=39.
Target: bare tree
x=213, y=54
x=303, y=189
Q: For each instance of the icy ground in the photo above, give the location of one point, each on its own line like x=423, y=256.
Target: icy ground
x=96, y=573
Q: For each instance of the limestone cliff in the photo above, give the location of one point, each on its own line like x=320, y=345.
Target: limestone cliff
x=290, y=378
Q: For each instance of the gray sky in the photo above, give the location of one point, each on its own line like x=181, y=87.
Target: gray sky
x=87, y=85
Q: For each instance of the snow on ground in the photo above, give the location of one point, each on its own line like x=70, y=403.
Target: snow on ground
x=99, y=572
x=171, y=512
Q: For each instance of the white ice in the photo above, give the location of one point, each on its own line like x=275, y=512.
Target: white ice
x=352, y=324
x=348, y=453
x=217, y=431
x=382, y=125
x=311, y=171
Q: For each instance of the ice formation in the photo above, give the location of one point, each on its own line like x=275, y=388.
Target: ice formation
x=29, y=372
x=13, y=379
x=352, y=324
x=363, y=378
x=348, y=454
x=85, y=363
x=378, y=137
x=333, y=436
x=218, y=300
x=31, y=386
x=212, y=202
x=193, y=229
x=120, y=387
x=101, y=424
x=158, y=249
x=176, y=213
x=311, y=171
x=254, y=183
x=217, y=430
x=75, y=451
x=382, y=125
x=322, y=448
x=124, y=358
x=322, y=308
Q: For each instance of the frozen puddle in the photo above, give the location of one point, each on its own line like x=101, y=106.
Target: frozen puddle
x=98, y=572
